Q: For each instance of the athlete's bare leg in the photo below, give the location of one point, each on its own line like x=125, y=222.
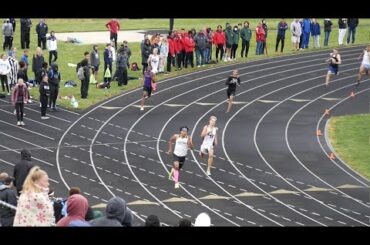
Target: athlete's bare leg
x=231, y=99
x=210, y=161
x=327, y=79
x=143, y=100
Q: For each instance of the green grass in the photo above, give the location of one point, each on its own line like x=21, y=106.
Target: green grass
x=72, y=53
x=350, y=137
x=69, y=25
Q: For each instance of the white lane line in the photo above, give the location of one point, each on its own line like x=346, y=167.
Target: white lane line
x=85, y=115
x=27, y=130
x=30, y=143
x=326, y=217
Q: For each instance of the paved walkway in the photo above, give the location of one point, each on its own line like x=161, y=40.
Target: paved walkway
x=103, y=36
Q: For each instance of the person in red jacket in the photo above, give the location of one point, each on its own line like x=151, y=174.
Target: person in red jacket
x=189, y=45
x=113, y=26
x=260, y=38
x=178, y=49
x=219, y=41
x=171, y=51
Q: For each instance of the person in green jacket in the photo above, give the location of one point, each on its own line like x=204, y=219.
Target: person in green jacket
x=229, y=41
x=245, y=35
x=234, y=46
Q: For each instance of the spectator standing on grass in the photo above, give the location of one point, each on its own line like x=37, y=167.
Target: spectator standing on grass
x=219, y=41
x=171, y=51
x=24, y=58
x=108, y=62
x=37, y=61
x=229, y=41
x=145, y=52
x=200, y=41
x=154, y=60
x=121, y=67
x=41, y=30
x=264, y=42
x=260, y=38
x=52, y=47
x=245, y=35
x=189, y=45
x=113, y=26
x=342, y=24
x=8, y=32
x=327, y=30
x=306, y=30
x=352, y=24
x=296, y=30
x=163, y=51
x=281, y=28
x=85, y=64
x=4, y=71
x=315, y=32
x=25, y=33
x=95, y=61
x=235, y=43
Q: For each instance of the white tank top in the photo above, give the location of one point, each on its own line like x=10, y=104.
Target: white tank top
x=154, y=63
x=210, y=137
x=181, y=146
x=366, y=58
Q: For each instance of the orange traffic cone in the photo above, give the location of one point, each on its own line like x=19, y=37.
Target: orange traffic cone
x=318, y=133
x=327, y=112
x=352, y=94
x=331, y=156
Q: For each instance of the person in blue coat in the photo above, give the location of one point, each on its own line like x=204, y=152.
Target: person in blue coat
x=315, y=32
x=306, y=30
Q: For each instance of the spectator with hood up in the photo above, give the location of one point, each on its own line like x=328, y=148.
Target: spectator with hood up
x=22, y=169
x=116, y=214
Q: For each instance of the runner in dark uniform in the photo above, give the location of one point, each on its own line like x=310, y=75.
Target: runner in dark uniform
x=232, y=81
x=333, y=61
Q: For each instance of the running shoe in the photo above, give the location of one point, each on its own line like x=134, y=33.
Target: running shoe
x=22, y=123
x=208, y=172
x=177, y=185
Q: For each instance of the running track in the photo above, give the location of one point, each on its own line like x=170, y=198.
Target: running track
x=270, y=167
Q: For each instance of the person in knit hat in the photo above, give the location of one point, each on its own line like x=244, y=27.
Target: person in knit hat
x=202, y=219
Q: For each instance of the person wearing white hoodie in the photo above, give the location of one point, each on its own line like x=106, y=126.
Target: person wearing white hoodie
x=202, y=220
x=52, y=47
x=4, y=71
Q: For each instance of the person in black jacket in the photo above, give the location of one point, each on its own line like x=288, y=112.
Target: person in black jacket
x=37, y=63
x=21, y=169
x=41, y=30
x=8, y=195
x=85, y=63
x=25, y=33
x=327, y=30
x=352, y=24
x=44, y=95
x=232, y=81
x=54, y=80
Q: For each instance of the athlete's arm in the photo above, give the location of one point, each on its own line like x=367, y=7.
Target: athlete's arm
x=216, y=142
x=170, y=142
x=339, y=59
x=204, y=131
x=238, y=81
x=190, y=143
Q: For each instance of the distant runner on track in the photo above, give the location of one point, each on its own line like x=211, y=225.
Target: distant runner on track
x=232, y=81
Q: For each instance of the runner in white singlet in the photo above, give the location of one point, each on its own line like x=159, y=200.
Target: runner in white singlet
x=182, y=144
x=209, y=135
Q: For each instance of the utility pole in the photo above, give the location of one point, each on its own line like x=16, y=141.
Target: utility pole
x=171, y=23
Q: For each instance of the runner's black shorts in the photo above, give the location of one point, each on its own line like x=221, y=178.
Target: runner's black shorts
x=181, y=160
x=230, y=92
